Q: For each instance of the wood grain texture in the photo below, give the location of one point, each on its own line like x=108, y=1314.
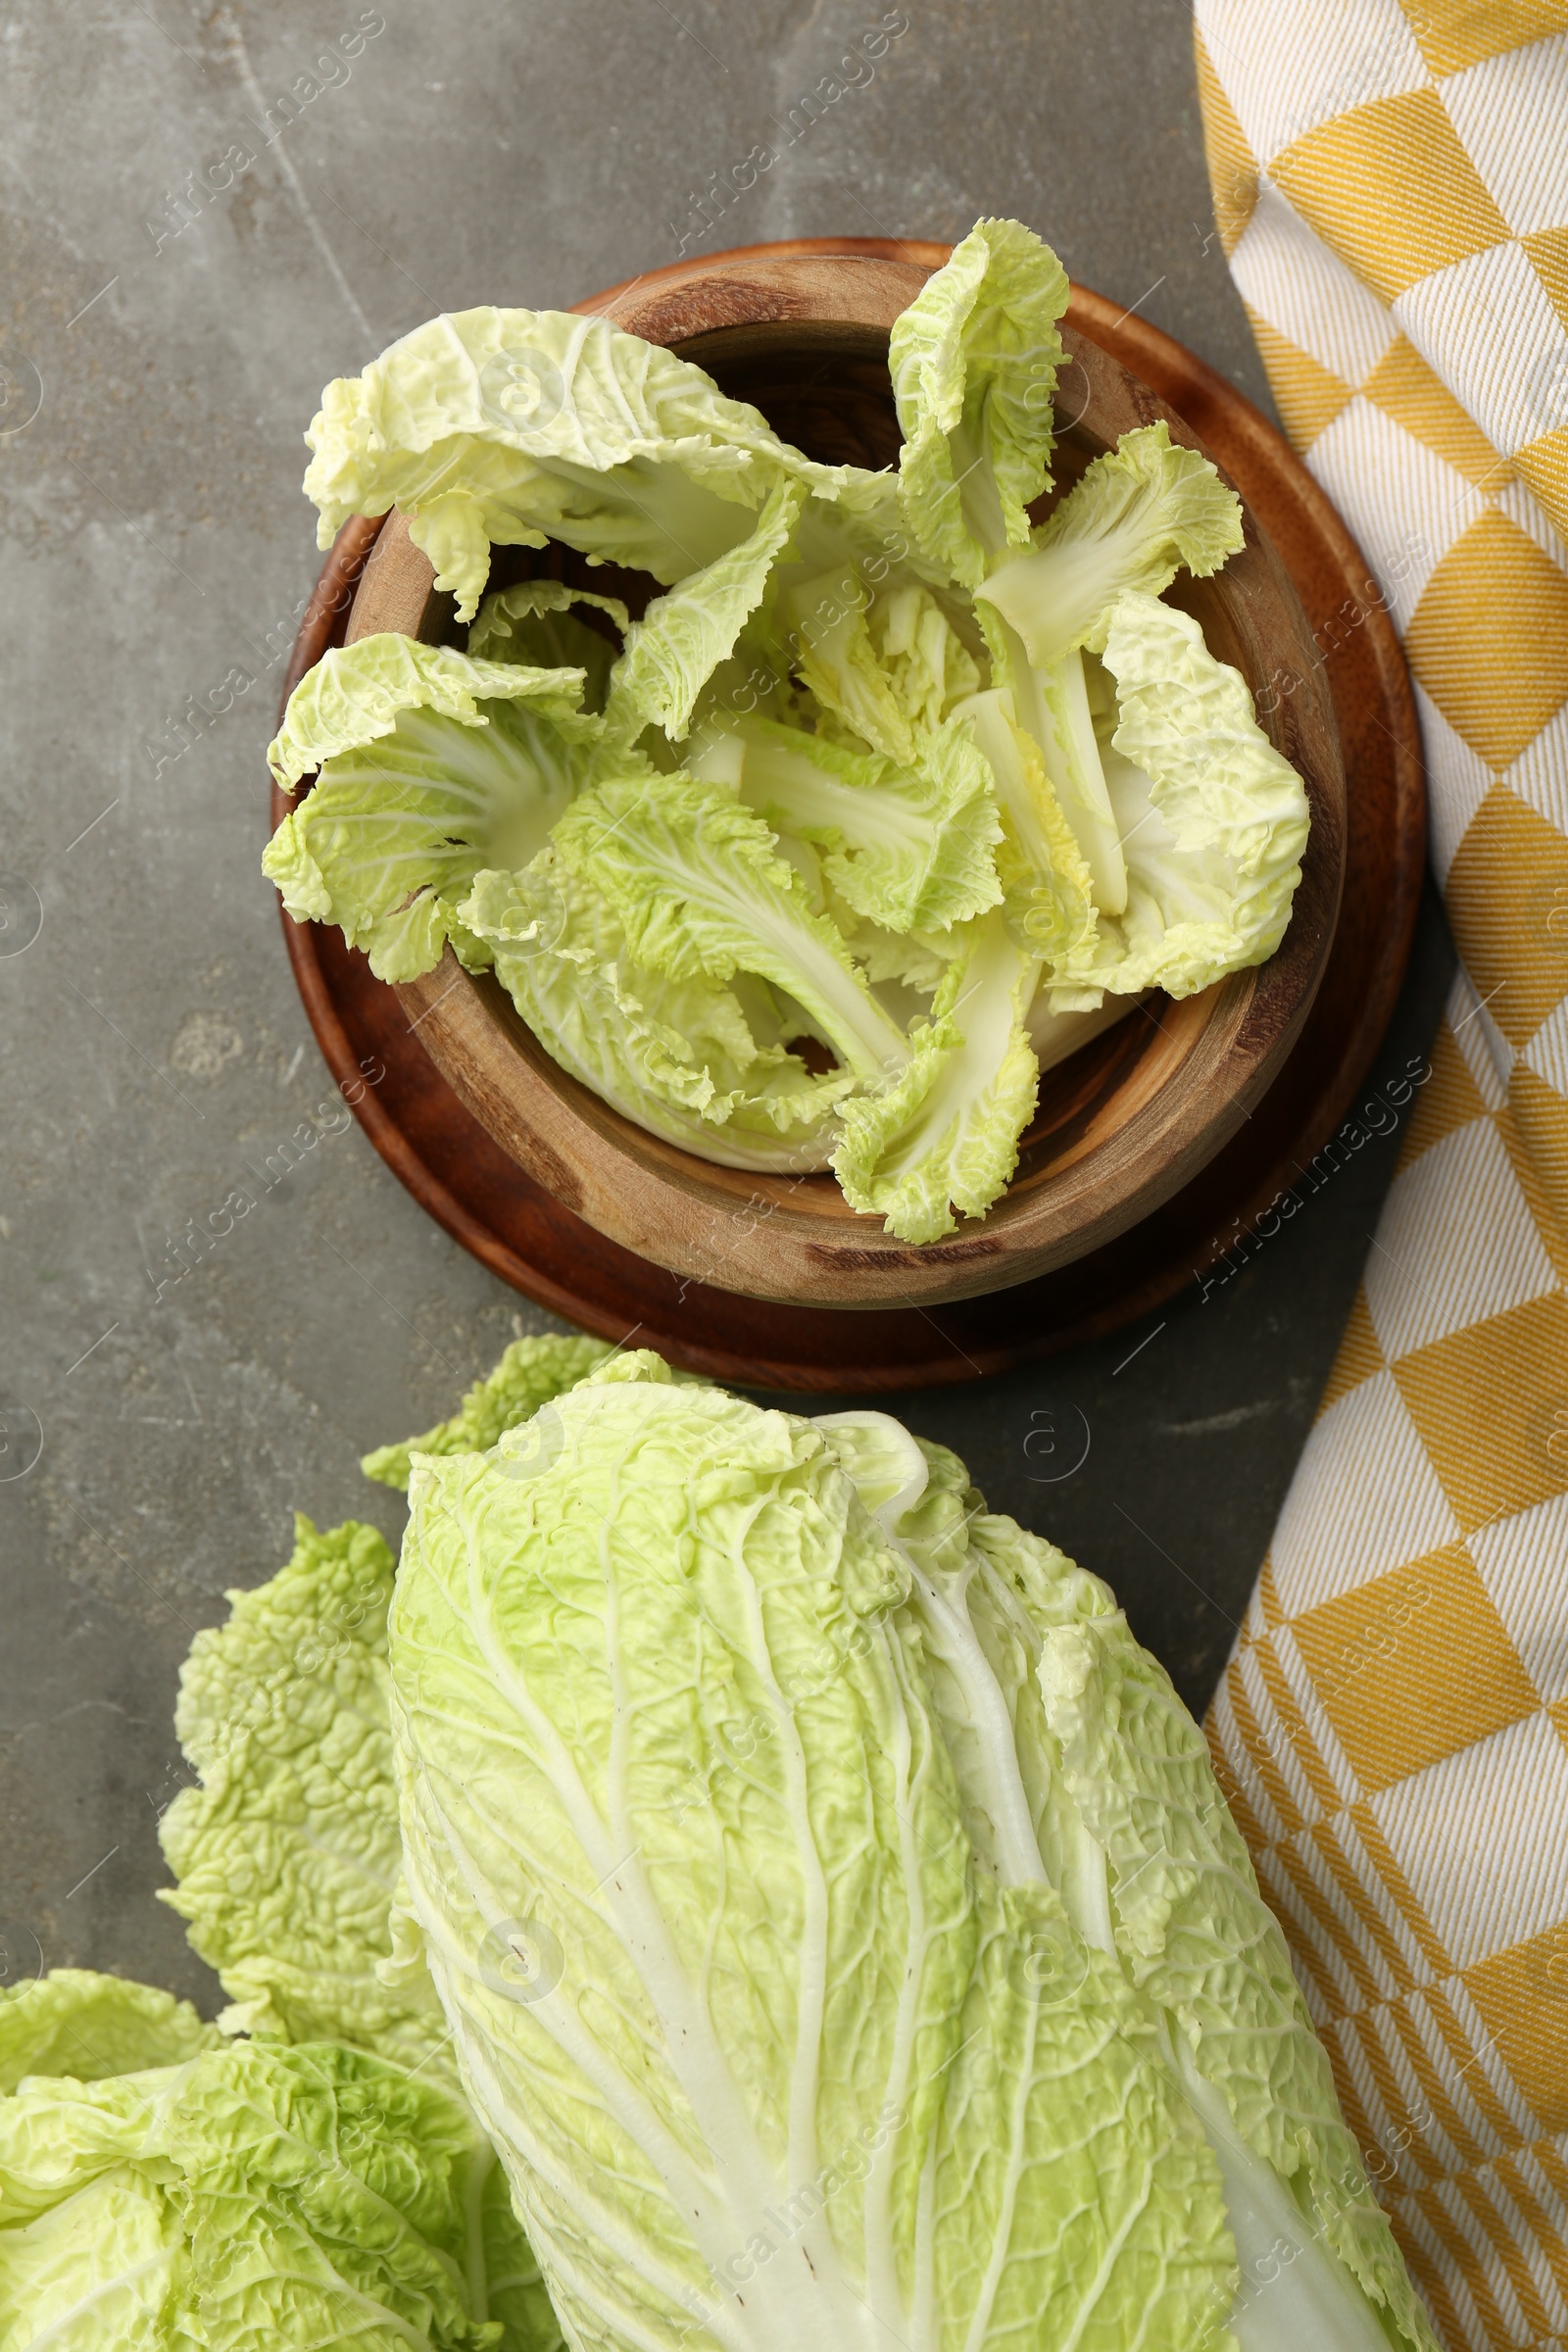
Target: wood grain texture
x=535, y=1241
x=1124, y=1124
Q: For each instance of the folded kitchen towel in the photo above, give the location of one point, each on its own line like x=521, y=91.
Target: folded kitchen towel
x=1390, y=184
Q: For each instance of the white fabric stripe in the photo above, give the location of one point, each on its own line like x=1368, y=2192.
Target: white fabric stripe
x=1508, y=112
x=1464, y=1019
x=1357, y=2035
x=1333, y=1947
x=1366, y=1445
x=1487, y=2262
x=1485, y=327
x=1282, y=84
x=1405, y=505
x=1458, y=780
x=1466, y=1832
x=1255, y=1625
x=1455, y=1243
x=1522, y=1561
x=1495, y=1045
x=1395, y=1926
x=1244, y=1765
x=1276, y=1744
x=1306, y=1935
x=1291, y=278
x=1439, y=2057
x=1512, y=2215
x=1430, y=2138
x=1552, y=2203
x=1400, y=1931
x=1458, y=2082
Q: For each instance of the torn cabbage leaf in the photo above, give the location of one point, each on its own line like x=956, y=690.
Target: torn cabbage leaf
x=515, y=428
x=1141, y=512
x=887, y=663
x=945, y=1135
x=973, y=362
x=532, y=622
x=1137, y=515
x=254, y=2196
x=400, y=820
x=1212, y=819
x=700, y=890
x=1047, y=889
x=359, y=693
x=679, y=1054
x=927, y=661
x=815, y=1877
x=907, y=848
x=672, y=651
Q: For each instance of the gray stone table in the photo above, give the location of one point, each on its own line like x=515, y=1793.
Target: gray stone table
x=203, y=222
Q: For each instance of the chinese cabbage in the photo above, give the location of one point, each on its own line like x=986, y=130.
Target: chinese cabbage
x=1213, y=820
x=402, y=817
x=678, y=1055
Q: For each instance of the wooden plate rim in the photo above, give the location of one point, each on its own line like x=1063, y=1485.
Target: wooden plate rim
x=918, y=1351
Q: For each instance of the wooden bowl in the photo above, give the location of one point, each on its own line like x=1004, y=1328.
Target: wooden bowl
x=1124, y=1124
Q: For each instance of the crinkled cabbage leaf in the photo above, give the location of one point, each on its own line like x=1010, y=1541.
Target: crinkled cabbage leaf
x=1141, y=512
x=433, y=791
x=286, y=1851
x=973, y=362
x=701, y=892
x=679, y=1054
x=843, y=1936
x=945, y=1135
x=532, y=622
x=254, y=2196
x=513, y=427
x=1213, y=819
x=532, y=1370
x=907, y=848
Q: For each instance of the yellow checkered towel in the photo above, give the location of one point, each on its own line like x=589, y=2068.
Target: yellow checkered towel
x=1390, y=184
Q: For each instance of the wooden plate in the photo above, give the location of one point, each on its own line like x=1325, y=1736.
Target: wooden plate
x=534, y=1241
